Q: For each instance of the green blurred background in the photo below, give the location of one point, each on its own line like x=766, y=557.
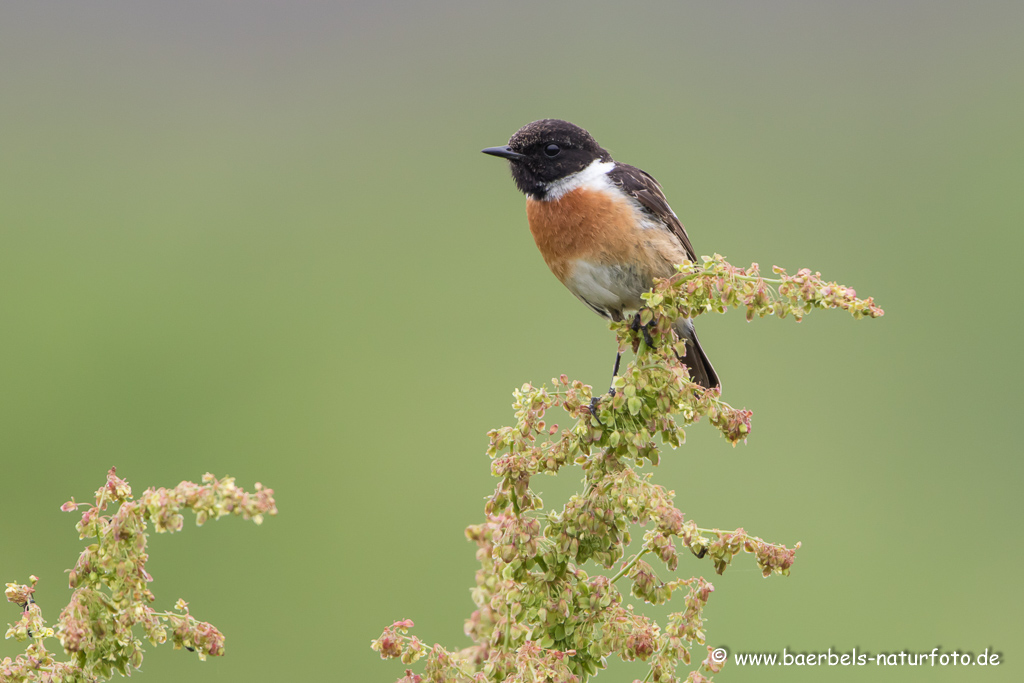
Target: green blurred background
x=259, y=239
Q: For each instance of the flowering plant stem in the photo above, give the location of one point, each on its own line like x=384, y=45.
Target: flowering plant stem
x=547, y=607
x=110, y=584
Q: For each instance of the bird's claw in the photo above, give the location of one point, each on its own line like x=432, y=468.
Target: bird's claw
x=636, y=326
x=594, y=403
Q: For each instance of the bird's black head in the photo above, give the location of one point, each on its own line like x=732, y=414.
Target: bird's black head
x=545, y=151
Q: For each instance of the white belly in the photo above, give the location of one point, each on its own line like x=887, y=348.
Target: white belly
x=608, y=289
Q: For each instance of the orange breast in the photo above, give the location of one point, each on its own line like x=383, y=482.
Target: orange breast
x=593, y=225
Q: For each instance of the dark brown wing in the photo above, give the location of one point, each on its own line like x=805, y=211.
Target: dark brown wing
x=646, y=190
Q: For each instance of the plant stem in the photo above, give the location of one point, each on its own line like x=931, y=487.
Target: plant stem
x=718, y=532
x=631, y=564
x=168, y=615
x=758, y=278
x=745, y=278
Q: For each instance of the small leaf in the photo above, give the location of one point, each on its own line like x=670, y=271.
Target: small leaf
x=634, y=405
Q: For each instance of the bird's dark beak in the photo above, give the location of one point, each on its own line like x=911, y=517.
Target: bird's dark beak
x=503, y=152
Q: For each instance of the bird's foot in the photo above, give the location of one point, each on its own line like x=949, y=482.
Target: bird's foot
x=594, y=403
x=636, y=326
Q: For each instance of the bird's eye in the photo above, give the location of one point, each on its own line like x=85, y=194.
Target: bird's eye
x=552, y=150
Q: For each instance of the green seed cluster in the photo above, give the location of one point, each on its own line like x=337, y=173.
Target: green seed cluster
x=110, y=584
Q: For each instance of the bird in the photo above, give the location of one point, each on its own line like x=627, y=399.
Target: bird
x=604, y=228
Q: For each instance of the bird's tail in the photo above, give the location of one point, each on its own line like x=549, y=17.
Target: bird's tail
x=696, y=360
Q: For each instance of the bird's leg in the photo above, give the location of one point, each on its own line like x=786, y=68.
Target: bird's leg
x=596, y=400
x=615, y=371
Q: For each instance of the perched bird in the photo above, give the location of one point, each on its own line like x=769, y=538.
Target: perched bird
x=604, y=228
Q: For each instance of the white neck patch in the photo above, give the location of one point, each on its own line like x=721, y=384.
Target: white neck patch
x=594, y=177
